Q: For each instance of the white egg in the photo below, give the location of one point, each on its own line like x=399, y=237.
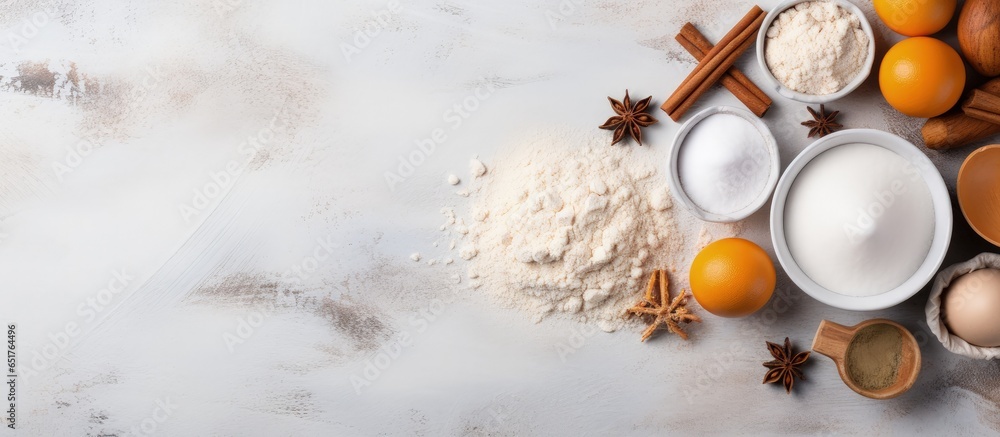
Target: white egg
x=972, y=307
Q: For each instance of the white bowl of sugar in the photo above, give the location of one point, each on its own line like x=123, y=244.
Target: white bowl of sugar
x=723, y=164
x=815, y=51
x=861, y=220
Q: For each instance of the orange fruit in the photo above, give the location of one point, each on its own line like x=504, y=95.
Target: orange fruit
x=915, y=17
x=922, y=77
x=732, y=277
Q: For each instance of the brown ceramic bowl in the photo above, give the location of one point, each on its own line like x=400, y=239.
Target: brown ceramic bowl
x=979, y=192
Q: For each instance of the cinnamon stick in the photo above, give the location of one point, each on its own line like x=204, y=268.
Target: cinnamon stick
x=711, y=80
x=734, y=80
x=715, y=63
x=982, y=105
x=692, y=33
x=956, y=129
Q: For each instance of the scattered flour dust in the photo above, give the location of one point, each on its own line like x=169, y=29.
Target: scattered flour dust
x=569, y=226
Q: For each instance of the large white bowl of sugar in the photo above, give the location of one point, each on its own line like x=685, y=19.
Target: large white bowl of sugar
x=861, y=220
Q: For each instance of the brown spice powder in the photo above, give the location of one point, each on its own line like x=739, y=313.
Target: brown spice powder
x=874, y=355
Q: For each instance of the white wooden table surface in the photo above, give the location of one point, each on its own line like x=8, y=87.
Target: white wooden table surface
x=198, y=238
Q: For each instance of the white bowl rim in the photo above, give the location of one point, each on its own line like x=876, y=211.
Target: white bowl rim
x=772, y=149
x=942, y=220
x=781, y=89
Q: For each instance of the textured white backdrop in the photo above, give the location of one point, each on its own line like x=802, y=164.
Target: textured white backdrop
x=248, y=309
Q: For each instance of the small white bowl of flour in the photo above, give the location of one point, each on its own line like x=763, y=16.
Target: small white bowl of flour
x=815, y=51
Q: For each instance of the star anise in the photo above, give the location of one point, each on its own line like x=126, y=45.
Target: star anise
x=785, y=366
x=822, y=124
x=656, y=305
x=630, y=118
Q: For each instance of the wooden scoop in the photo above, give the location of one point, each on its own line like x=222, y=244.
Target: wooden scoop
x=833, y=340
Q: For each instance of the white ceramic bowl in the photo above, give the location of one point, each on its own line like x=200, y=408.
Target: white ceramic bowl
x=942, y=220
x=777, y=86
x=760, y=200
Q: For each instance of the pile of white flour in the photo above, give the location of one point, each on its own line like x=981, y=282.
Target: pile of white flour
x=570, y=227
